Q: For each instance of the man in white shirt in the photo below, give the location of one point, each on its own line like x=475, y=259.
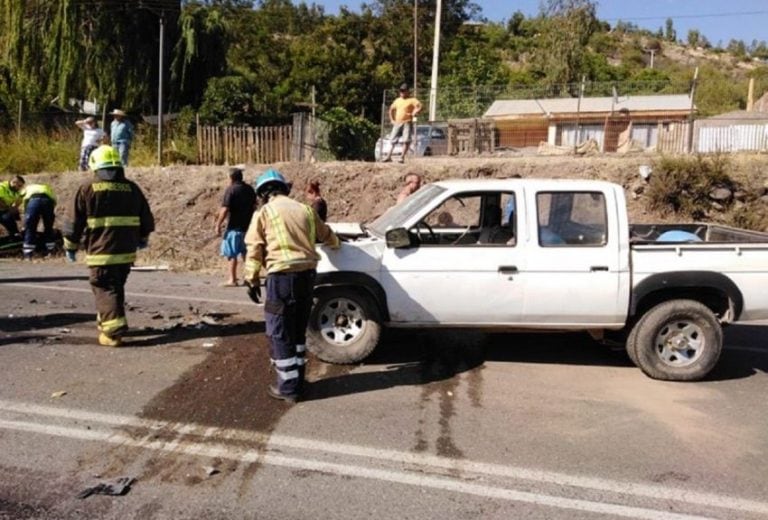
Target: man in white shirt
x=93, y=137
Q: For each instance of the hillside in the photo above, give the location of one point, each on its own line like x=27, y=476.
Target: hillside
x=185, y=199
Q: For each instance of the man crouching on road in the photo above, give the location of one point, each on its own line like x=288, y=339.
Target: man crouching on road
x=112, y=217
x=281, y=238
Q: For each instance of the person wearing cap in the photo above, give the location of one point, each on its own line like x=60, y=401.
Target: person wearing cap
x=402, y=115
x=237, y=207
x=121, y=135
x=281, y=239
x=39, y=203
x=109, y=218
x=93, y=136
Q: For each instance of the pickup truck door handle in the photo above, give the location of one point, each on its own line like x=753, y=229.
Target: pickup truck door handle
x=508, y=269
x=598, y=268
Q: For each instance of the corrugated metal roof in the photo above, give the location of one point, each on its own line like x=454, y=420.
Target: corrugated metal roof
x=550, y=107
x=740, y=115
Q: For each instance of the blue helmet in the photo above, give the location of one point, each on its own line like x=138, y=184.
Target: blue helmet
x=268, y=177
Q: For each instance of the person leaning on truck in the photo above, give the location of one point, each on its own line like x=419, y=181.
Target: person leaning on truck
x=281, y=238
x=112, y=217
x=402, y=114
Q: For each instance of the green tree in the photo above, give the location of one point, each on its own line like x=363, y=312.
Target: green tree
x=669, y=31
x=560, y=50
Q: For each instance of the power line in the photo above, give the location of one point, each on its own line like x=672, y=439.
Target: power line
x=688, y=16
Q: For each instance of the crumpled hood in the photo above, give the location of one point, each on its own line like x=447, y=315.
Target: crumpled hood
x=362, y=255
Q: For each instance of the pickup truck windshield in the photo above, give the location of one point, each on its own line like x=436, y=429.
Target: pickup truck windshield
x=397, y=216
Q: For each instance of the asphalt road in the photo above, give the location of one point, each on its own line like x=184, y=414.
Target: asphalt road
x=437, y=425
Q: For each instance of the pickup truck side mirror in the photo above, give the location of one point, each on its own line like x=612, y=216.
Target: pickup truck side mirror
x=398, y=238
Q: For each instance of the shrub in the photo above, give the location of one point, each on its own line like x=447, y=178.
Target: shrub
x=349, y=136
x=682, y=184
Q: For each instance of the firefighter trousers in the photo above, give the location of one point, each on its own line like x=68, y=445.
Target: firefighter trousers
x=286, y=313
x=108, y=286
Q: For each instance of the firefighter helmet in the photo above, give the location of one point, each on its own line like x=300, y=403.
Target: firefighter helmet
x=104, y=157
x=268, y=179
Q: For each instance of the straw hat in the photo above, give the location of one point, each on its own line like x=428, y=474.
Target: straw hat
x=117, y=112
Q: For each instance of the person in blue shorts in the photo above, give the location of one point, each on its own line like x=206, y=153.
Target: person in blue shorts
x=237, y=207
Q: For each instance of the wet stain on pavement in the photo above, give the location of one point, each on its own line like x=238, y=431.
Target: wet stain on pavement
x=226, y=390
x=445, y=356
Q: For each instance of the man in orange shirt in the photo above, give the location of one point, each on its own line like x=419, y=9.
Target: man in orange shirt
x=402, y=114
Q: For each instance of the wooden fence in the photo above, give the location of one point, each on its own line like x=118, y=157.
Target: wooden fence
x=470, y=136
x=238, y=145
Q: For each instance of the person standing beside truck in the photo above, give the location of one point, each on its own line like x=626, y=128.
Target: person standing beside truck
x=281, y=238
x=237, y=208
x=402, y=114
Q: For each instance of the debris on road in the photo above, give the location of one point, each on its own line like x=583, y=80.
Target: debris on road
x=60, y=393
x=115, y=487
x=211, y=470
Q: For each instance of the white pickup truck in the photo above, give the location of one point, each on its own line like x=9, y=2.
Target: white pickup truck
x=547, y=255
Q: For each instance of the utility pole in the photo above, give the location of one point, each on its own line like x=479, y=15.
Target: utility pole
x=163, y=6
x=435, y=63
x=415, y=47
x=160, y=92
x=693, y=107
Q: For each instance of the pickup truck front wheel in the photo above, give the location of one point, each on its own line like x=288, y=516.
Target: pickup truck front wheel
x=344, y=326
x=678, y=340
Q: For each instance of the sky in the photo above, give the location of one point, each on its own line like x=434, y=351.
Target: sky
x=718, y=20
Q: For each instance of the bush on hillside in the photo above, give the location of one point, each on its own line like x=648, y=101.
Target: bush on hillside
x=682, y=184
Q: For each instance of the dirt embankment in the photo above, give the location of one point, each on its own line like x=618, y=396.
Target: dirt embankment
x=185, y=199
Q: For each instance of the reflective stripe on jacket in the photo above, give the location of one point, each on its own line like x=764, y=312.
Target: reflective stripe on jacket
x=110, y=215
x=282, y=237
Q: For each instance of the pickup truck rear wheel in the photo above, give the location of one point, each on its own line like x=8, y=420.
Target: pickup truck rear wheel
x=678, y=340
x=344, y=326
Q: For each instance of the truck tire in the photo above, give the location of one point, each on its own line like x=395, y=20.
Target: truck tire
x=344, y=326
x=678, y=340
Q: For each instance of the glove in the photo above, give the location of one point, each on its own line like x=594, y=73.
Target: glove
x=415, y=119
x=254, y=290
x=71, y=255
x=143, y=243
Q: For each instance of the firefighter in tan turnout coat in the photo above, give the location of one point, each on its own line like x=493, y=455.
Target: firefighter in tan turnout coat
x=109, y=218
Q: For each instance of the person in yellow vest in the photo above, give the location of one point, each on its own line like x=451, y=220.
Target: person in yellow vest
x=10, y=200
x=281, y=238
x=38, y=202
x=112, y=218
x=402, y=114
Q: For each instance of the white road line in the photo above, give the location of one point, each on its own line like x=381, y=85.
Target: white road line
x=397, y=477
x=131, y=294
x=408, y=458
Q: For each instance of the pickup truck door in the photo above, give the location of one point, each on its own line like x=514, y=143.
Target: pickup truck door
x=577, y=268
x=456, y=280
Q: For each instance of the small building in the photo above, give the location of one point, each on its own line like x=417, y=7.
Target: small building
x=737, y=131
x=657, y=121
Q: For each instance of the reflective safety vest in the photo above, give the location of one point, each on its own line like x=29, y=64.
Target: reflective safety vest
x=8, y=195
x=282, y=236
x=38, y=189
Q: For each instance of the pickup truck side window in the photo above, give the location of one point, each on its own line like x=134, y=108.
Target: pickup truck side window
x=571, y=218
x=470, y=219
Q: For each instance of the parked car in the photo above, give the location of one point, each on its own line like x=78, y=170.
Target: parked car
x=429, y=140
x=546, y=255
